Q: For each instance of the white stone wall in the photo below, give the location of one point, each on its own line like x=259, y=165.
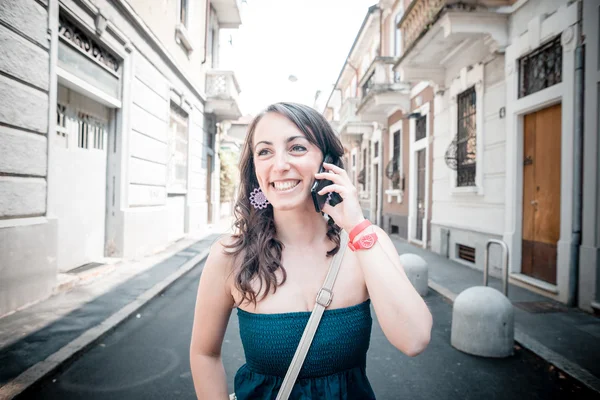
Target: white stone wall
x=531, y=26
x=149, y=140
x=140, y=224
x=162, y=16
x=478, y=209
x=589, y=257
x=27, y=273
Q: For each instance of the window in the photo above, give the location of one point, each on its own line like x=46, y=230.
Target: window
x=90, y=131
x=376, y=150
x=398, y=34
x=396, y=161
x=353, y=160
x=466, y=140
x=178, y=150
x=183, y=12
x=421, y=128
x=541, y=69
x=368, y=85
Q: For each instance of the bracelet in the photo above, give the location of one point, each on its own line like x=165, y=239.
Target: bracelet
x=358, y=229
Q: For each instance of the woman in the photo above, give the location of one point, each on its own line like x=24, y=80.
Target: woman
x=272, y=267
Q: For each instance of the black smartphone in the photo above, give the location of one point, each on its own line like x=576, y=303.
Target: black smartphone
x=319, y=200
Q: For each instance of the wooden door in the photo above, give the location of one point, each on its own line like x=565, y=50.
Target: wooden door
x=541, y=193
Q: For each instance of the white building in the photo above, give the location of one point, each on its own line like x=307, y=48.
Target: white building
x=507, y=136
x=588, y=294
x=107, y=132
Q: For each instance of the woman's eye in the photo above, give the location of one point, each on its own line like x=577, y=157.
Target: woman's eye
x=298, y=148
x=262, y=152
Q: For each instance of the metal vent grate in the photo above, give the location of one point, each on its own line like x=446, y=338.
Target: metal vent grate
x=466, y=253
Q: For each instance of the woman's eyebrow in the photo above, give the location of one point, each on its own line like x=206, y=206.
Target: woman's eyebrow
x=290, y=139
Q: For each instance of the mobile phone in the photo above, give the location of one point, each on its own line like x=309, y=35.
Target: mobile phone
x=318, y=199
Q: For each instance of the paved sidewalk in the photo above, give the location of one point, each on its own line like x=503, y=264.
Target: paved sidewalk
x=566, y=337
x=41, y=338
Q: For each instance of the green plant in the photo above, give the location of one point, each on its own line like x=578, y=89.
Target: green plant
x=229, y=174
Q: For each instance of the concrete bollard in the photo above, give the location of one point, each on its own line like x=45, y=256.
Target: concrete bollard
x=417, y=272
x=483, y=323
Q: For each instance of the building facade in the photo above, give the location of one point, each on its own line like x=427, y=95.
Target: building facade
x=454, y=51
x=364, y=97
x=490, y=134
x=107, y=132
x=589, y=252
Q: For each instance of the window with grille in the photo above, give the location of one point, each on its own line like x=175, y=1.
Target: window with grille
x=396, y=160
x=421, y=128
x=541, y=68
x=89, y=131
x=178, y=149
x=466, y=141
x=376, y=149
x=183, y=12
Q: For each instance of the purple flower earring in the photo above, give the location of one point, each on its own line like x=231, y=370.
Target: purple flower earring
x=258, y=199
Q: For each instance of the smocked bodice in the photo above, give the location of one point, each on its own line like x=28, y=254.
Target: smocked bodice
x=335, y=362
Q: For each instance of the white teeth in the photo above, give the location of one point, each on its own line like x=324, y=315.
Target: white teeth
x=287, y=185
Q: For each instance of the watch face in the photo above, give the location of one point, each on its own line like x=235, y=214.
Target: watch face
x=367, y=241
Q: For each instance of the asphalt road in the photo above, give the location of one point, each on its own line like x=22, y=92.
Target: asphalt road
x=147, y=358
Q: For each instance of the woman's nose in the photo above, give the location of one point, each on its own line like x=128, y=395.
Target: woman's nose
x=282, y=162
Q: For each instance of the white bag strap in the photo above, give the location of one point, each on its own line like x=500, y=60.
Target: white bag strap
x=323, y=301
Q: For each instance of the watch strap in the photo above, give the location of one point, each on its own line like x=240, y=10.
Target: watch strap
x=358, y=229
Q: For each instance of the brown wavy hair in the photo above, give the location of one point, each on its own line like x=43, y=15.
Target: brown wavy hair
x=254, y=245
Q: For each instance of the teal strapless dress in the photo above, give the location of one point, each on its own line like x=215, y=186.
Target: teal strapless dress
x=335, y=364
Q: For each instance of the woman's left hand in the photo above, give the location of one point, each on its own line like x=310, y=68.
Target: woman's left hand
x=348, y=213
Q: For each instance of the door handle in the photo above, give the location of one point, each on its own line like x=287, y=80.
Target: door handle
x=534, y=203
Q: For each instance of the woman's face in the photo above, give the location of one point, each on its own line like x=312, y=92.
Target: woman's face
x=285, y=162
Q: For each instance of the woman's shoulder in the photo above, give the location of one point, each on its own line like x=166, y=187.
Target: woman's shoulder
x=222, y=251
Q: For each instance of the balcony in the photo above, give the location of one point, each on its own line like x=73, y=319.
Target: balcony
x=449, y=34
x=222, y=91
x=352, y=126
x=381, y=92
x=228, y=13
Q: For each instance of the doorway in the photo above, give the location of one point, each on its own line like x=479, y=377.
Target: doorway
x=80, y=155
x=541, y=193
x=209, y=170
x=420, y=194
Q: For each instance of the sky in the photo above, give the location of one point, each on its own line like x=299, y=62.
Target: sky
x=309, y=39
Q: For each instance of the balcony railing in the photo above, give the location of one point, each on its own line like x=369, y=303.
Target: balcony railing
x=222, y=92
x=348, y=111
x=422, y=14
x=222, y=85
x=379, y=76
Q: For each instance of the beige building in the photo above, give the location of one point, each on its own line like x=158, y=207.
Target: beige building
x=108, y=120
x=364, y=97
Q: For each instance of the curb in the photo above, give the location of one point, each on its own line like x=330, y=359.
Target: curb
x=77, y=346
x=568, y=367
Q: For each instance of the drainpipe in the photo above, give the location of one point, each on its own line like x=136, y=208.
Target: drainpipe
x=578, y=167
x=380, y=32
x=206, y=28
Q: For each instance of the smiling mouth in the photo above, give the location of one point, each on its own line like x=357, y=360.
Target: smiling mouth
x=284, y=185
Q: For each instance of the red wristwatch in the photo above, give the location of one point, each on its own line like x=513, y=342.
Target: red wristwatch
x=365, y=242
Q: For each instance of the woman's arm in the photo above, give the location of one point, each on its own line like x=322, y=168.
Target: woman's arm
x=213, y=309
x=403, y=315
